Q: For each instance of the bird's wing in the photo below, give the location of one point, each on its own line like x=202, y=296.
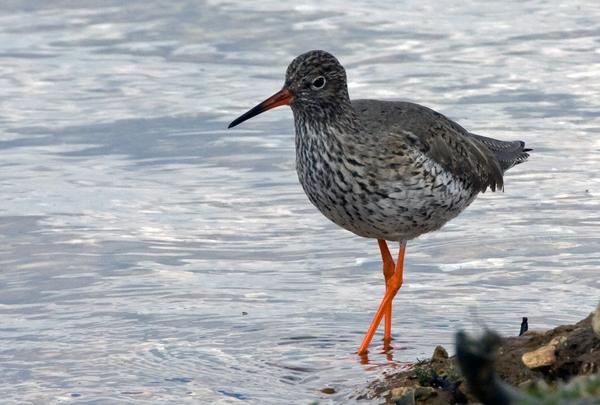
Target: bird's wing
x=400, y=124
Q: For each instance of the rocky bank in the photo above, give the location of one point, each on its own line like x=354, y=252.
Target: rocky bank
x=562, y=362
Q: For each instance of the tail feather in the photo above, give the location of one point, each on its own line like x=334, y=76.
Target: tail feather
x=508, y=153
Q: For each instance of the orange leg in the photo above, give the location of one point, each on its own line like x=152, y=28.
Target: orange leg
x=388, y=272
x=393, y=285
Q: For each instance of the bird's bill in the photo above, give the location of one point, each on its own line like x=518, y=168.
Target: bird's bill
x=282, y=97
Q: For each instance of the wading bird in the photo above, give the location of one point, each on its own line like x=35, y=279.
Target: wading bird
x=386, y=170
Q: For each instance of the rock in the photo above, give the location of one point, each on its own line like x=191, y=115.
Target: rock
x=596, y=322
x=328, y=390
x=526, y=384
x=544, y=356
x=424, y=393
x=403, y=396
x=439, y=354
x=557, y=341
x=535, y=332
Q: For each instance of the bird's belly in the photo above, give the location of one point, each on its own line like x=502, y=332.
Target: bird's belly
x=396, y=210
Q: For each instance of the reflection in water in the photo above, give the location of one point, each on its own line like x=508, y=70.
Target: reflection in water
x=136, y=231
x=387, y=350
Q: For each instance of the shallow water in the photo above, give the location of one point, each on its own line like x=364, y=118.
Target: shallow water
x=136, y=231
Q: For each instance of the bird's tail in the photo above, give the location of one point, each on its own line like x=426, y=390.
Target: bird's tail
x=508, y=153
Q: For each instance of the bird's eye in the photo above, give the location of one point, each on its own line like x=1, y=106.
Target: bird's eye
x=318, y=83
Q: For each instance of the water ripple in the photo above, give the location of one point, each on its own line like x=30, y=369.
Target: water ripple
x=150, y=255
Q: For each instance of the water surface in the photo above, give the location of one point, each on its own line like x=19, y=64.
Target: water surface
x=149, y=255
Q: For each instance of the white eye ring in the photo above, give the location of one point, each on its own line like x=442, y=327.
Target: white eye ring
x=318, y=83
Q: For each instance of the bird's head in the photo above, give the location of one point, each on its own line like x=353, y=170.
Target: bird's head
x=314, y=81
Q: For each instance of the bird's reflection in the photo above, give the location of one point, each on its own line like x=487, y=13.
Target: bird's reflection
x=388, y=351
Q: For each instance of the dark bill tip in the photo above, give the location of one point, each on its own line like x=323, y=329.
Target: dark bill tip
x=282, y=97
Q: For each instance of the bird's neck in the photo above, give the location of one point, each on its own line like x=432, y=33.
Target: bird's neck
x=336, y=119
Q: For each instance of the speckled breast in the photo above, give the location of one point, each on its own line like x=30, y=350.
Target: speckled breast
x=357, y=191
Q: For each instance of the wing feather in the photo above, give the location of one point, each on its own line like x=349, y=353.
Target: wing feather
x=439, y=138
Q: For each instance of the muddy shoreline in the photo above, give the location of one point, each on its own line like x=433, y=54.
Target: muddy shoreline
x=536, y=363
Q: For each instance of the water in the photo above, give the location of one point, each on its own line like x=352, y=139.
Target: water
x=136, y=231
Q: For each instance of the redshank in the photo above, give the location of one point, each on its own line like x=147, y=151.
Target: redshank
x=386, y=170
